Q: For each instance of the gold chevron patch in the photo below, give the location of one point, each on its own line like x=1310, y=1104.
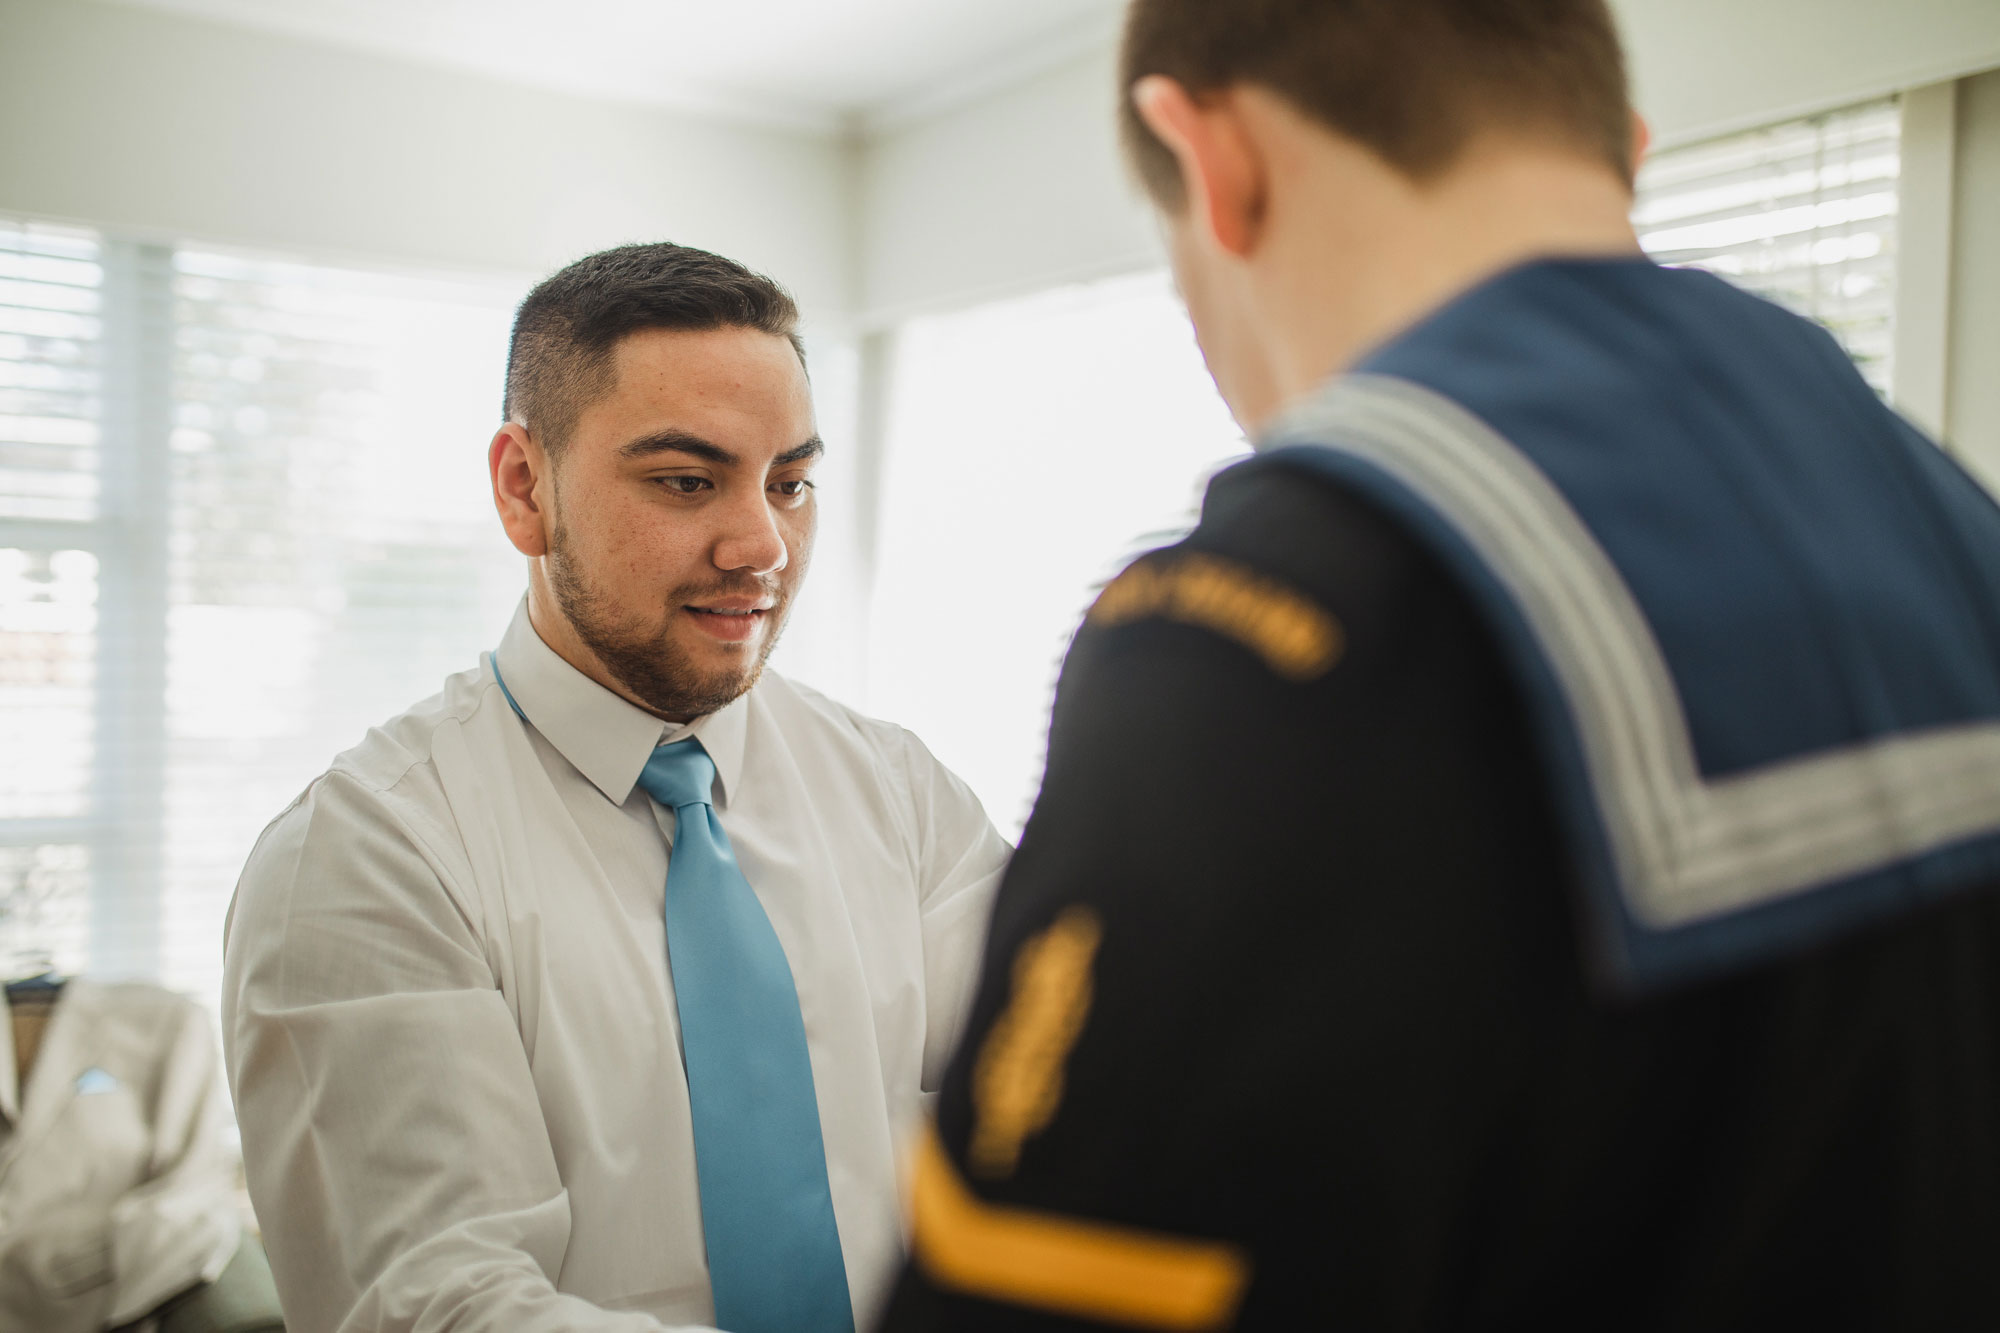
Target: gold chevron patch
x=1066, y=1265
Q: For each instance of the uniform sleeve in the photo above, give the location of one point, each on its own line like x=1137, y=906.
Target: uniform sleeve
x=1223, y=1021
x=396, y=1152
x=961, y=858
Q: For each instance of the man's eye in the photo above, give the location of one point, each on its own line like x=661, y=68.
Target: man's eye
x=791, y=489
x=685, y=485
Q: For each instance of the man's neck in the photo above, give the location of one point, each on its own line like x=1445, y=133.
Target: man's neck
x=1326, y=305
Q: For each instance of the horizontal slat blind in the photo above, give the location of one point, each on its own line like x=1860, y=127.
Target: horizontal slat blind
x=307, y=549
x=50, y=385
x=334, y=551
x=50, y=298
x=1803, y=213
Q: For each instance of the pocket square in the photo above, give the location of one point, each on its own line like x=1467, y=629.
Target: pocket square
x=94, y=1080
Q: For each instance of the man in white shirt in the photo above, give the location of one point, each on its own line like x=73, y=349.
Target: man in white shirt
x=475, y=1092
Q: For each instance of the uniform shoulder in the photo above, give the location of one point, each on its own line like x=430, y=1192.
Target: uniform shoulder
x=1300, y=526
x=1286, y=564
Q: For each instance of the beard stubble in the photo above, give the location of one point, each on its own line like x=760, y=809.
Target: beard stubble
x=647, y=664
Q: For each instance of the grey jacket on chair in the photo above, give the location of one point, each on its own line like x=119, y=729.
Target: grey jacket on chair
x=116, y=1175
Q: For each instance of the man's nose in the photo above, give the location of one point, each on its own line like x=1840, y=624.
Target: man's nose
x=750, y=540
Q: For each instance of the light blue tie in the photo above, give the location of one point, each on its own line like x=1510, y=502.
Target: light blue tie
x=766, y=1210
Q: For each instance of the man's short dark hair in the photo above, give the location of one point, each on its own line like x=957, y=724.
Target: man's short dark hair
x=566, y=331
x=1412, y=80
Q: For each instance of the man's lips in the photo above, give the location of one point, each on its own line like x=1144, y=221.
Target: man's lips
x=731, y=620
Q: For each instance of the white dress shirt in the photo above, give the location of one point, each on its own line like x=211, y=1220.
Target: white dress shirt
x=450, y=1027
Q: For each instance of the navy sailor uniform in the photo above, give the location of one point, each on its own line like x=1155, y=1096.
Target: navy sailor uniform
x=1524, y=861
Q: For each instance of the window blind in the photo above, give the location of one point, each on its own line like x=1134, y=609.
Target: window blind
x=1803, y=213
x=51, y=386
x=333, y=551
x=243, y=518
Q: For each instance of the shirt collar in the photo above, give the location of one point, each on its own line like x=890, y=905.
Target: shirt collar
x=607, y=739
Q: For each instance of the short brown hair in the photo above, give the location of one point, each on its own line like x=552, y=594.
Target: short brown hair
x=1412, y=80
x=569, y=326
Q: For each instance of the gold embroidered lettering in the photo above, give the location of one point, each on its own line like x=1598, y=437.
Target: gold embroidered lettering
x=1296, y=637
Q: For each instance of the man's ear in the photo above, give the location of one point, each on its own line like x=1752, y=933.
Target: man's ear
x=1220, y=167
x=517, y=465
x=1642, y=141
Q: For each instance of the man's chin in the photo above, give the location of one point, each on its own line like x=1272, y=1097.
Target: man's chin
x=704, y=677
x=719, y=662
x=680, y=668
x=686, y=702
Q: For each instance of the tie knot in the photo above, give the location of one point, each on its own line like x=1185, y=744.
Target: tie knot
x=679, y=774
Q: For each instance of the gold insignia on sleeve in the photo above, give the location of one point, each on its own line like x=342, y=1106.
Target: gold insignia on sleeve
x=1018, y=1082
x=1296, y=636
x=1072, y=1266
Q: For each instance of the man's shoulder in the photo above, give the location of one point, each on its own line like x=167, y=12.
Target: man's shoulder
x=805, y=715
x=887, y=764
x=391, y=774
x=391, y=751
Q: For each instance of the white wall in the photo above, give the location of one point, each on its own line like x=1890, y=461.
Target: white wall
x=164, y=126
x=130, y=118
x=1024, y=188
x=1016, y=191
x=1706, y=67
x=167, y=126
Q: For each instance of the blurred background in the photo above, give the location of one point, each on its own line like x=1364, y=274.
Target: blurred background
x=258, y=259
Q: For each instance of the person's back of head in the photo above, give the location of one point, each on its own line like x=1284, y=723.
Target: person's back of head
x=1413, y=80
x=1331, y=169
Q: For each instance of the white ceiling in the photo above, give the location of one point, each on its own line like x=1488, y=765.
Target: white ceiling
x=824, y=65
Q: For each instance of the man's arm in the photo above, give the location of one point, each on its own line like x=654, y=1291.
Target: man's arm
x=1245, y=1009
x=960, y=860
x=395, y=1146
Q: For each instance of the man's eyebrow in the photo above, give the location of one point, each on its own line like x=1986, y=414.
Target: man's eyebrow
x=812, y=448
x=673, y=441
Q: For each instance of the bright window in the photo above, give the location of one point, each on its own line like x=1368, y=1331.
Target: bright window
x=1803, y=213
x=1034, y=447
x=243, y=518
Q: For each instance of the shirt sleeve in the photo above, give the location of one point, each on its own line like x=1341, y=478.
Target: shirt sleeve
x=961, y=858
x=1229, y=1038
x=396, y=1151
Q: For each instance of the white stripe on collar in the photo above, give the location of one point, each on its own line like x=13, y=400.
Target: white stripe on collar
x=1684, y=848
